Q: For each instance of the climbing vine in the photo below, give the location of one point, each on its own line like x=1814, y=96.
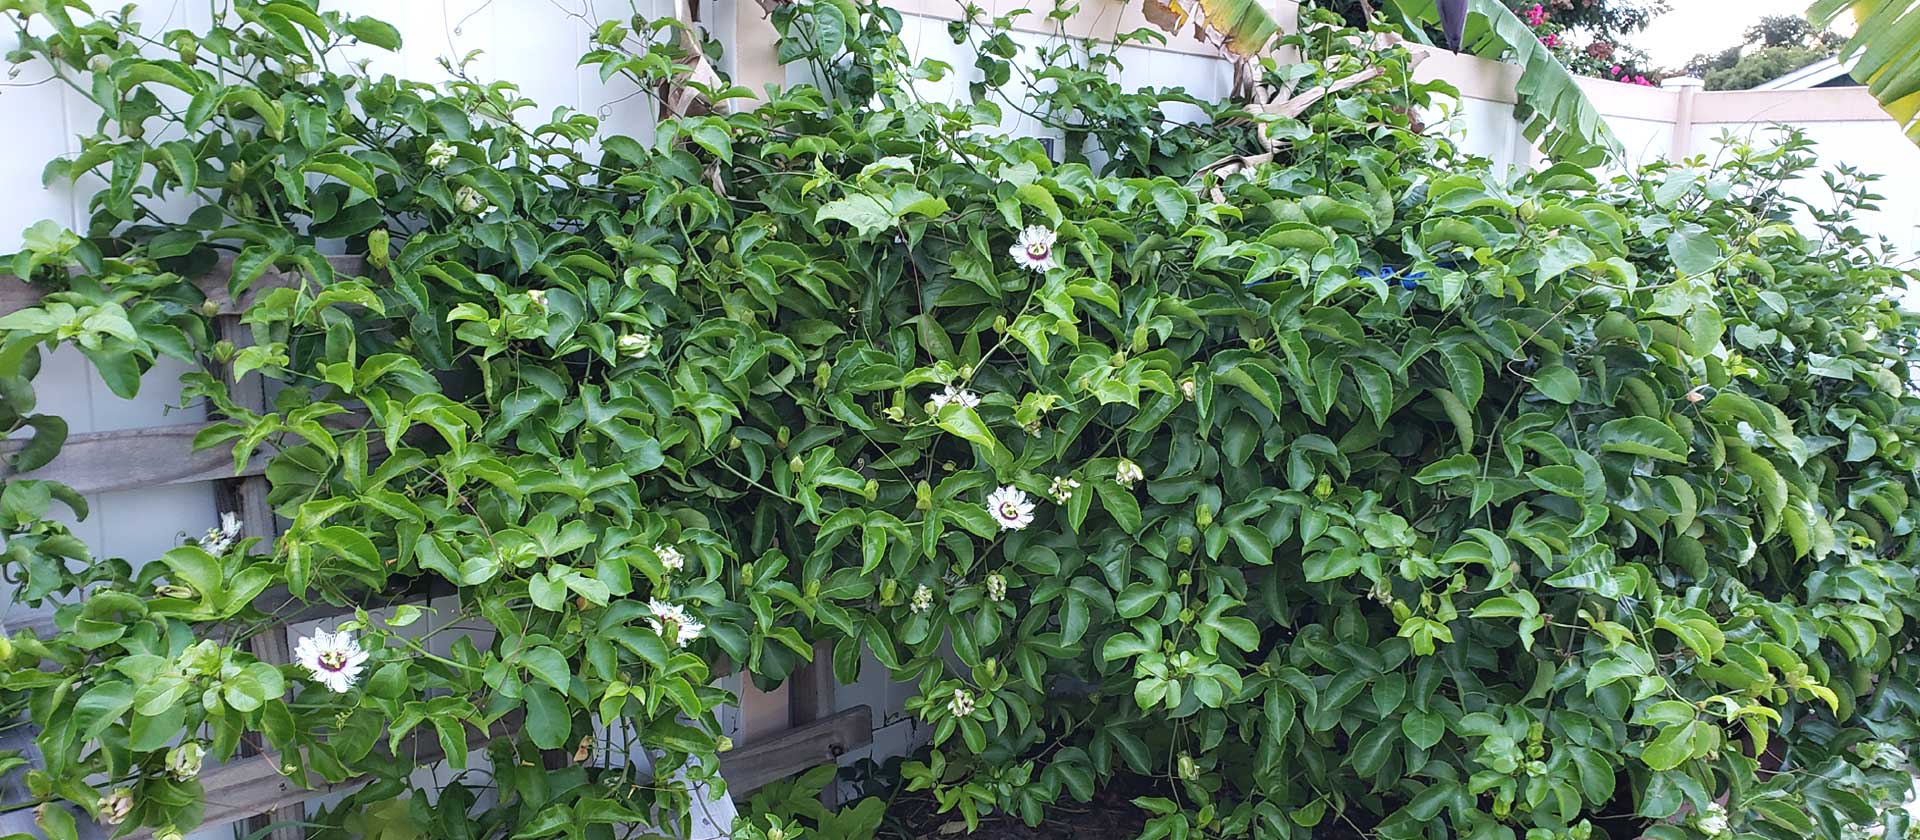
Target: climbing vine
x=1353, y=488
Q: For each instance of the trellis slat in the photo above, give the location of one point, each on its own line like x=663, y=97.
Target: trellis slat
x=255, y=785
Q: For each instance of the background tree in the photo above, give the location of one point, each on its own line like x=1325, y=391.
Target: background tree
x=1775, y=46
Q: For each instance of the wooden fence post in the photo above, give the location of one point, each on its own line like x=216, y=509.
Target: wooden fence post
x=246, y=497
x=811, y=697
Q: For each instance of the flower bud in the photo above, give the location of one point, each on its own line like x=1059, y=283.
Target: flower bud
x=210, y=308
x=1204, y=517
x=379, y=245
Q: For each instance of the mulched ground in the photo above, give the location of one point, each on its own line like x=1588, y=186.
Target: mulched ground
x=1106, y=817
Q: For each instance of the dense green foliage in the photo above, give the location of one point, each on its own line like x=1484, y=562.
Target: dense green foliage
x=1366, y=490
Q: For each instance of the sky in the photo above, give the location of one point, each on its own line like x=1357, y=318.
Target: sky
x=1698, y=26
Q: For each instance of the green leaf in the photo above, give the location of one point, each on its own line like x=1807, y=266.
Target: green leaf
x=1643, y=436
x=1240, y=631
x=1561, y=479
x=378, y=33
x=1119, y=503
x=1423, y=728
x=549, y=720
x=865, y=213
x=1376, y=388
x=1693, y=249
x=1560, y=254
x=49, y=434
x=1456, y=466
x=549, y=666
x=964, y=421
x=351, y=172
x=1559, y=384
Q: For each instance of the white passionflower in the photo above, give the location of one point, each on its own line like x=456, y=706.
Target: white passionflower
x=1127, y=472
x=670, y=558
x=115, y=806
x=922, y=602
x=1033, y=249
x=1011, y=508
x=538, y=296
x=955, y=396
x=334, y=659
x=635, y=345
x=217, y=540
x=996, y=587
x=673, y=623
x=961, y=705
x=469, y=200
x=183, y=762
x=1713, y=821
x=1062, y=489
x=440, y=154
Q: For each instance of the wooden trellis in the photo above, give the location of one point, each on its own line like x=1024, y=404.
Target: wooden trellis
x=252, y=786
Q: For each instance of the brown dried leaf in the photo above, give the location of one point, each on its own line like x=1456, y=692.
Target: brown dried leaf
x=1168, y=15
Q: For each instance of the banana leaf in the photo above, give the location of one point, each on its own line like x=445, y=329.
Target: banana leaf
x=1556, y=113
x=1243, y=26
x=1885, y=50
